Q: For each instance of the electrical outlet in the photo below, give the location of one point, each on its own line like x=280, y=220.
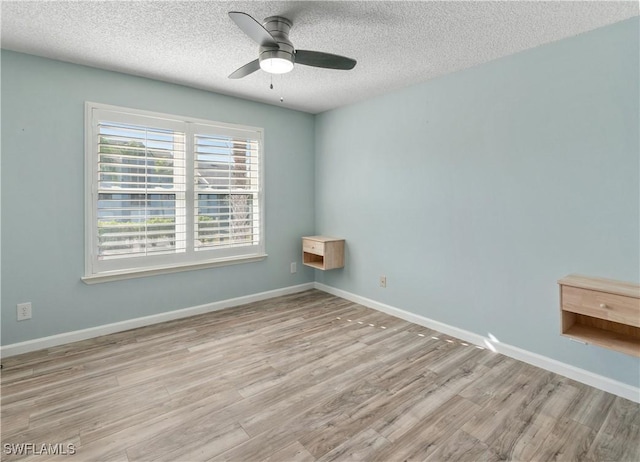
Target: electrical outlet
x=24, y=311
x=294, y=267
x=383, y=281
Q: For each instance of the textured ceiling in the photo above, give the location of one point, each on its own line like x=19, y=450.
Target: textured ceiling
x=396, y=43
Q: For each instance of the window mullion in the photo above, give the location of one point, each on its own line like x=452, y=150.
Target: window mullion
x=179, y=180
x=190, y=211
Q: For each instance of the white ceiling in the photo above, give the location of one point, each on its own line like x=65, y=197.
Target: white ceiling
x=396, y=43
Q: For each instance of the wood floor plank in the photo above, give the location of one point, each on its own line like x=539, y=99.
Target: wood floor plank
x=361, y=447
x=361, y=416
x=462, y=447
x=276, y=438
x=303, y=377
x=590, y=406
x=332, y=392
x=39, y=384
x=525, y=438
x=425, y=435
x=568, y=441
x=16, y=422
x=91, y=410
x=493, y=418
x=295, y=452
x=16, y=374
x=619, y=433
x=123, y=433
x=196, y=440
x=499, y=369
x=520, y=412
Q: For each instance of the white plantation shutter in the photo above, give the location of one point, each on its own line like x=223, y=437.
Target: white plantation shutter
x=226, y=191
x=141, y=191
x=170, y=193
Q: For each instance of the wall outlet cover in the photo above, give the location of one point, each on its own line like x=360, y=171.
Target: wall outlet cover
x=23, y=311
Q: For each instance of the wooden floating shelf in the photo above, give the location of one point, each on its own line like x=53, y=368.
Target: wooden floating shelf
x=322, y=252
x=601, y=312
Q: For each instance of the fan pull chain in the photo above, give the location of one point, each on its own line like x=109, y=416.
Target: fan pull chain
x=282, y=86
x=271, y=87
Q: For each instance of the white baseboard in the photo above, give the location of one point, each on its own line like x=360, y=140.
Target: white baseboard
x=575, y=373
x=92, y=332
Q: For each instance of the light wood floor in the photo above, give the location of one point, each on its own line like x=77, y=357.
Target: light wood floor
x=302, y=378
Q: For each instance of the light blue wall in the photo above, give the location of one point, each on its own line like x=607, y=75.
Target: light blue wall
x=43, y=198
x=473, y=193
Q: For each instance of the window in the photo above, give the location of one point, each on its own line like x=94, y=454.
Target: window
x=166, y=193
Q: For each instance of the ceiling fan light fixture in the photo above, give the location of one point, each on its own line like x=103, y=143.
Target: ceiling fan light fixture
x=276, y=61
x=276, y=65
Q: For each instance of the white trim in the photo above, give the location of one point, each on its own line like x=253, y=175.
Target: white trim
x=92, y=332
x=227, y=128
x=580, y=375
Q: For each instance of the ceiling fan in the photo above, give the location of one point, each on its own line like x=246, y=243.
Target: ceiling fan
x=276, y=54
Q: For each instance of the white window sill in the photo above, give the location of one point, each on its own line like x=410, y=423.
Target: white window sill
x=144, y=272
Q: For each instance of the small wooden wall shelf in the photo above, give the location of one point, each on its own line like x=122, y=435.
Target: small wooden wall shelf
x=322, y=252
x=602, y=312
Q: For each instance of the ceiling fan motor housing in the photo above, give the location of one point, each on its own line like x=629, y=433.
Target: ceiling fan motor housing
x=279, y=28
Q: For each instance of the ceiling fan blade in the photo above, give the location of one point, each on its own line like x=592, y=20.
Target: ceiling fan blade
x=253, y=29
x=326, y=60
x=245, y=70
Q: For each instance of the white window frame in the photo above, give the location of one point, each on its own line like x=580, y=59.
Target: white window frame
x=100, y=270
